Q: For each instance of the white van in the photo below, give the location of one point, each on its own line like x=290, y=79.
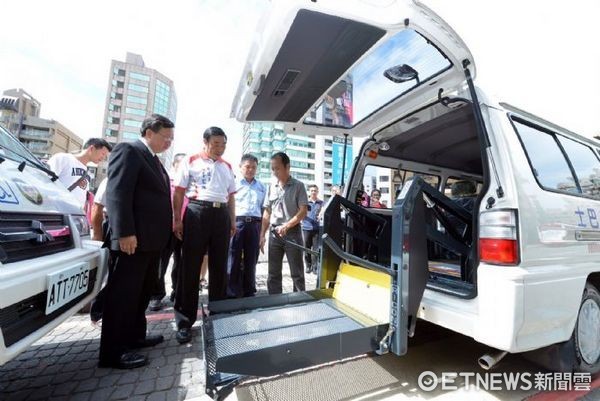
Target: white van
x=495, y=228
x=49, y=267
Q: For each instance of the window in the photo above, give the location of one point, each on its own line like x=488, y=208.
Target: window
x=161, y=97
x=139, y=77
x=365, y=89
x=384, y=178
x=586, y=165
x=385, y=190
x=137, y=112
x=136, y=99
x=548, y=162
x=132, y=123
x=119, y=72
x=138, y=88
x=130, y=136
x=111, y=132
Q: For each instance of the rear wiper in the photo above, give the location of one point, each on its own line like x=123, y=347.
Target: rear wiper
x=35, y=163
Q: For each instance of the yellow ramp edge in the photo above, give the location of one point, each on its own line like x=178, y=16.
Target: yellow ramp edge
x=364, y=290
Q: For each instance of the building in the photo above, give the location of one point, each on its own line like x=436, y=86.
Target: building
x=20, y=114
x=135, y=92
x=313, y=159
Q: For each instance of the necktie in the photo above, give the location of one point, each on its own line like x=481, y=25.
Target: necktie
x=160, y=169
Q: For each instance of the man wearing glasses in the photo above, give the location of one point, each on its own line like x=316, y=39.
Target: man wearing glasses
x=139, y=199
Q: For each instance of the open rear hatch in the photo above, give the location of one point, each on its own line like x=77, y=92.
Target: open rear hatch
x=337, y=67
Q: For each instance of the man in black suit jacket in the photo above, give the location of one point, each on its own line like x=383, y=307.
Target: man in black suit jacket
x=139, y=199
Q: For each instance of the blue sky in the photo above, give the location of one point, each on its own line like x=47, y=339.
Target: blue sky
x=537, y=55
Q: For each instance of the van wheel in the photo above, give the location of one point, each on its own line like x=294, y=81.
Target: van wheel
x=581, y=353
x=586, y=336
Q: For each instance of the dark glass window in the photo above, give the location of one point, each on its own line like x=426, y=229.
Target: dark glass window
x=586, y=165
x=547, y=160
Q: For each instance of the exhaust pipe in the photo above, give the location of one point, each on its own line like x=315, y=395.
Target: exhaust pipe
x=489, y=360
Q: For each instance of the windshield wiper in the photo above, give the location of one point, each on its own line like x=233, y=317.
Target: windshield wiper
x=35, y=163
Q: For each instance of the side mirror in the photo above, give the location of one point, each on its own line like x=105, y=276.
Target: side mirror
x=401, y=73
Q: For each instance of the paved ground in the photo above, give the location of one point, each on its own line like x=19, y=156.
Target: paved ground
x=62, y=365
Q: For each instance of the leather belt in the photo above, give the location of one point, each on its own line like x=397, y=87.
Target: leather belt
x=208, y=203
x=247, y=219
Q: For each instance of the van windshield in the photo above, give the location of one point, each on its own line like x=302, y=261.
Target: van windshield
x=11, y=148
x=365, y=89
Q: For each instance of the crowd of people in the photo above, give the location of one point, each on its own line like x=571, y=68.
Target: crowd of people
x=197, y=212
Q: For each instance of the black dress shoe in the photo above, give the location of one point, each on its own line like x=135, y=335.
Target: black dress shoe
x=128, y=360
x=149, y=341
x=184, y=335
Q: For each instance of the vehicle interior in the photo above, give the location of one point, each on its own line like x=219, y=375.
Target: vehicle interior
x=440, y=145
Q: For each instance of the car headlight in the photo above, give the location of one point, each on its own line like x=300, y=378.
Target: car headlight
x=82, y=225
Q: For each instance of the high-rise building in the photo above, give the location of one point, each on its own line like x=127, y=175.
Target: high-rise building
x=313, y=159
x=135, y=92
x=20, y=114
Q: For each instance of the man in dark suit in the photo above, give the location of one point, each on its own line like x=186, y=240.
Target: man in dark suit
x=139, y=199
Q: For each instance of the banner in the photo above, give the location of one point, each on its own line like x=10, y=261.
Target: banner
x=337, y=150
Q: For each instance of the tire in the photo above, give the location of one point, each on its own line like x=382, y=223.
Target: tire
x=586, y=336
x=581, y=353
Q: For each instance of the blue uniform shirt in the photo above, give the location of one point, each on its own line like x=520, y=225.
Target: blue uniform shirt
x=311, y=221
x=249, y=198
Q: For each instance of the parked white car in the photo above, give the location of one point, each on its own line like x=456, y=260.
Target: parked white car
x=49, y=266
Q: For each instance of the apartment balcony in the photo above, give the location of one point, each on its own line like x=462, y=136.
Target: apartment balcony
x=34, y=134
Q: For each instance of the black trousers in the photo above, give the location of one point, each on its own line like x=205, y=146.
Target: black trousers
x=243, y=256
x=174, y=248
x=204, y=228
x=127, y=294
x=311, y=241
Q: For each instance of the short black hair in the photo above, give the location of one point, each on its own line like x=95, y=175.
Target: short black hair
x=155, y=122
x=249, y=157
x=284, y=158
x=313, y=186
x=97, y=143
x=213, y=131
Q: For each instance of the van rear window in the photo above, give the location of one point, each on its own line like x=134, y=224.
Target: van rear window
x=559, y=163
x=365, y=89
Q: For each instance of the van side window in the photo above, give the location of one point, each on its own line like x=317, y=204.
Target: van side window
x=550, y=167
x=586, y=165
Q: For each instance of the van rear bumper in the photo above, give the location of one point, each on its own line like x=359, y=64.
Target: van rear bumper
x=516, y=309
x=23, y=292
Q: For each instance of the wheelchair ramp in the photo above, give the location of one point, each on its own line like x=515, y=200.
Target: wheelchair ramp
x=274, y=340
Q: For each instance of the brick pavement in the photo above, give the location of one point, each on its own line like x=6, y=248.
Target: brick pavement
x=62, y=365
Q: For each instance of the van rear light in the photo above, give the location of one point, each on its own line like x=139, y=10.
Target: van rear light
x=498, y=242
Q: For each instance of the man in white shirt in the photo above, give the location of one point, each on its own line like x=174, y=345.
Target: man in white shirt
x=208, y=182
x=71, y=169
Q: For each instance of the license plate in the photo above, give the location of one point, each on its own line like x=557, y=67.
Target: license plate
x=66, y=285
